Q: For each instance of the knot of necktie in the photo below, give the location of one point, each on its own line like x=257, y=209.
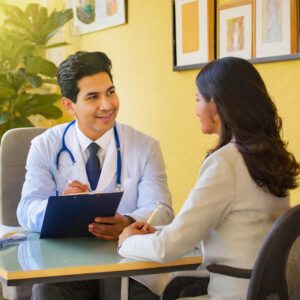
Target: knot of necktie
x=93, y=148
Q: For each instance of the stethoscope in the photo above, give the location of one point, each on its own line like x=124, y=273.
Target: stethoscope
x=119, y=158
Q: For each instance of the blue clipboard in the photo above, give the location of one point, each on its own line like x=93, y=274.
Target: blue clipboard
x=69, y=215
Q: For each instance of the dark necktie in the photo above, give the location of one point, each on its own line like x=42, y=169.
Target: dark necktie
x=93, y=168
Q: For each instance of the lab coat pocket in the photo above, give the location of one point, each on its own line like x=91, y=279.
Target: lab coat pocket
x=129, y=199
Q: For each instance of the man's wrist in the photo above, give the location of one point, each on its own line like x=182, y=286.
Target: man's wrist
x=130, y=219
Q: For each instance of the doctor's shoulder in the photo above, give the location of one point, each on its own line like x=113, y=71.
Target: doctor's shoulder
x=50, y=140
x=135, y=139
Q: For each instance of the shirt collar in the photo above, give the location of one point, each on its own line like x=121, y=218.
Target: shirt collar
x=103, y=141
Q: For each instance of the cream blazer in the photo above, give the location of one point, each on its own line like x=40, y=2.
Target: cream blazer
x=227, y=211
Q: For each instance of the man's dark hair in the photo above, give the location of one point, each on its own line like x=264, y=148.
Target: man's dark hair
x=77, y=66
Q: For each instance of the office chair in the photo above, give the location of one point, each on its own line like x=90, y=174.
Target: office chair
x=14, y=149
x=276, y=272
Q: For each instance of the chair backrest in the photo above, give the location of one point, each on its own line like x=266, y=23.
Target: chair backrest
x=14, y=149
x=278, y=264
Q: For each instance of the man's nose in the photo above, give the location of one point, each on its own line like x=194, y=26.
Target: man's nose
x=105, y=103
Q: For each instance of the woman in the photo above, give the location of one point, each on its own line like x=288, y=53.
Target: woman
x=243, y=182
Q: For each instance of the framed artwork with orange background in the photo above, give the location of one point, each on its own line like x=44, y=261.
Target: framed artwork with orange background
x=193, y=33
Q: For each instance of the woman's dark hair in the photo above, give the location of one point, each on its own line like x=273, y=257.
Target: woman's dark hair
x=79, y=65
x=249, y=116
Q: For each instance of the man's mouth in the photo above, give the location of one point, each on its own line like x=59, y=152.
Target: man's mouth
x=105, y=116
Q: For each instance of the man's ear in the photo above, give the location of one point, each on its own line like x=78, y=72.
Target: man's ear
x=69, y=105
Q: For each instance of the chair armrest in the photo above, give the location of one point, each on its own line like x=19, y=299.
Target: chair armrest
x=229, y=271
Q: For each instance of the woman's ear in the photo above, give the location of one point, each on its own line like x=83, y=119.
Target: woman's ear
x=69, y=105
x=216, y=116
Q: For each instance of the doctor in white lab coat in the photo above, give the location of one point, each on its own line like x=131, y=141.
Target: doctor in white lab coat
x=90, y=96
x=143, y=175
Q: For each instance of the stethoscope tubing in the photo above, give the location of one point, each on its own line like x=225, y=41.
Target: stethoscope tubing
x=118, y=148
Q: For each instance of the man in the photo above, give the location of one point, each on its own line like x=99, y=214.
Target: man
x=60, y=162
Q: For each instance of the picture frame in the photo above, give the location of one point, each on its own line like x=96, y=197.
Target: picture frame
x=93, y=15
x=234, y=30
x=193, y=33
x=276, y=27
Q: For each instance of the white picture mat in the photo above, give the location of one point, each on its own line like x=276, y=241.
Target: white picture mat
x=202, y=55
x=232, y=13
x=101, y=20
x=273, y=48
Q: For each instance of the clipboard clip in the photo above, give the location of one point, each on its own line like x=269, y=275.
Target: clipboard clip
x=119, y=187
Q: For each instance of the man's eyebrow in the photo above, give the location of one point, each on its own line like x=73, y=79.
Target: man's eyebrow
x=91, y=94
x=111, y=88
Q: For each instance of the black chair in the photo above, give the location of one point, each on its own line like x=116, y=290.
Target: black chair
x=185, y=286
x=276, y=272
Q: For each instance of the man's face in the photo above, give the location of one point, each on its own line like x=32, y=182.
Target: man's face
x=97, y=105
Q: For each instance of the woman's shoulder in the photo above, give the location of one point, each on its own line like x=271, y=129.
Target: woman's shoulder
x=228, y=152
x=226, y=158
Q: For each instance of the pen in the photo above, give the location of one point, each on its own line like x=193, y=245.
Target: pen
x=10, y=241
x=159, y=206
x=84, y=192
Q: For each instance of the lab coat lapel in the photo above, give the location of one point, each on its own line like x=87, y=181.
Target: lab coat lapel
x=108, y=172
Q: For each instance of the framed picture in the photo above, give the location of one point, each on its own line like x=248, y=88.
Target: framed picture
x=92, y=15
x=193, y=33
x=235, y=30
x=276, y=27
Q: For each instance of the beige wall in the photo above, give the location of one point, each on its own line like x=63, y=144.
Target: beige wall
x=161, y=102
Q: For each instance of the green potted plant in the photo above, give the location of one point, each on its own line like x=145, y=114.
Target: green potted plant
x=24, y=70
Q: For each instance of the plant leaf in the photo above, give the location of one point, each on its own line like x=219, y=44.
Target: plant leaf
x=4, y=117
x=34, y=80
x=34, y=24
x=47, y=99
x=19, y=105
x=6, y=92
x=39, y=65
x=19, y=122
x=56, y=45
x=33, y=104
x=50, y=112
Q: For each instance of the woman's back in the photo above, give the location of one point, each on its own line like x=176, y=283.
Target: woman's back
x=250, y=211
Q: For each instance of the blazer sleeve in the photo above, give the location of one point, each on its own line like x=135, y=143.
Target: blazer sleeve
x=207, y=205
x=38, y=186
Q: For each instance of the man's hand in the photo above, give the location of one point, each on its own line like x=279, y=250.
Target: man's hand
x=109, y=228
x=134, y=229
x=75, y=187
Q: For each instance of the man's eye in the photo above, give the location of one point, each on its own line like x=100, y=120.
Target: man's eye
x=92, y=97
x=111, y=92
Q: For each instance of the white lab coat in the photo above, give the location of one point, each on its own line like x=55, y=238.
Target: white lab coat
x=225, y=209
x=143, y=174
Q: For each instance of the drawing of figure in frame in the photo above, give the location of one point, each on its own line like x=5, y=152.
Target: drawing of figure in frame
x=272, y=21
x=235, y=34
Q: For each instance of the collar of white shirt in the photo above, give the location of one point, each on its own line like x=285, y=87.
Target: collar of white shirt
x=102, y=141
